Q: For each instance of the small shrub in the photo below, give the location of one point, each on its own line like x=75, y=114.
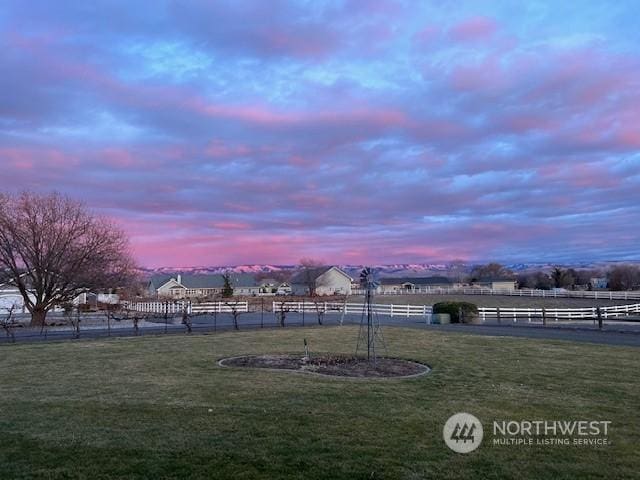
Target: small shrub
x=469, y=311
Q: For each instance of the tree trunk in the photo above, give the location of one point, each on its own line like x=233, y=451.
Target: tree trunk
x=38, y=317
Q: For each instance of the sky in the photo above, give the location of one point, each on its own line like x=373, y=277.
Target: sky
x=242, y=132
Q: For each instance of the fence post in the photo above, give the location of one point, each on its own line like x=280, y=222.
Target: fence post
x=407, y=310
x=498, y=314
x=599, y=313
x=392, y=309
x=544, y=316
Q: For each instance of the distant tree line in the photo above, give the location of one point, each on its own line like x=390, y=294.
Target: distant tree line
x=620, y=277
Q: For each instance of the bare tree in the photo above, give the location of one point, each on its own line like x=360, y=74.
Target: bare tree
x=490, y=271
x=8, y=324
x=320, y=307
x=186, y=319
x=109, y=313
x=309, y=273
x=74, y=318
x=234, y=307
x=538, y=280
x=624, y=277
x=53, y=249
x=281, y=314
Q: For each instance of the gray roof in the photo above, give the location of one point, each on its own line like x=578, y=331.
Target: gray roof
x=416, y=281
x=206, y=281
x=156, y=281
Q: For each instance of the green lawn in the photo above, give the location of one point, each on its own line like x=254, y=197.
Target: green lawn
x=161, y=407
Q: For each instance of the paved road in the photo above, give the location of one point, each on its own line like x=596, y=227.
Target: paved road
x=613, y=334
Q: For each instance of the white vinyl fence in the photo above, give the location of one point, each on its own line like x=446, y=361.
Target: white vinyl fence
x=220, y=307
x=529, y=314
x=391, y=310
x=178, y=307
x=600, y=295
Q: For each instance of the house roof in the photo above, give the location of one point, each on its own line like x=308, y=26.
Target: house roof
x=307, y=275
x=7, y=283
x=206, y=281
x=157, y=281
x=416, y=281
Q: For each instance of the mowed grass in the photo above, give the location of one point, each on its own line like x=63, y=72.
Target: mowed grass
x=161, y=407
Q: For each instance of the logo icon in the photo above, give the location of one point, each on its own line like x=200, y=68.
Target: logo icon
x=463, y=433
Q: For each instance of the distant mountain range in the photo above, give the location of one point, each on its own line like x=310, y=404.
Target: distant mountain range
x=391, y=270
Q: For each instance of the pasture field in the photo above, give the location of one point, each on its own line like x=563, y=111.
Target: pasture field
x=160, y=407
x=496, y=301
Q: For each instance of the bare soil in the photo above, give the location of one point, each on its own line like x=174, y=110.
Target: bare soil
x=335, y=365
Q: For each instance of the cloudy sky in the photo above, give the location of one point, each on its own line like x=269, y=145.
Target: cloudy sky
x=350, y=131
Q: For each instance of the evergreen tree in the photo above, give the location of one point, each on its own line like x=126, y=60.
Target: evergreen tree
x=227, y=289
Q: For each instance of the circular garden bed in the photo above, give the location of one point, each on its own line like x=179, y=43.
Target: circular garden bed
x=333, y=365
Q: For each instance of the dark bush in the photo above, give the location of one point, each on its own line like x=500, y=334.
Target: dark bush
x=469, y=311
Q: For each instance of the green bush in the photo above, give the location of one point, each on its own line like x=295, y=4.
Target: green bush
x=469, y=311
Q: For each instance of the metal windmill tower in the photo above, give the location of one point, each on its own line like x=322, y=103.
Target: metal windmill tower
x=370, y=329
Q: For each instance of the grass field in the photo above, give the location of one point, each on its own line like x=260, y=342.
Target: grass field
x=160, y=407
x=497, y=301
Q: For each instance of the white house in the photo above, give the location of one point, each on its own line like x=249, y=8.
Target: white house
x=93, y=299
x=271, y=286
x=412, y=284
x=198, y=286
x=328, y=280
x=497, y=284
x=10, y=297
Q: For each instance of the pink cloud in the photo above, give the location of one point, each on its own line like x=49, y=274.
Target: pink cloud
x=474, y=29
x=231, y=225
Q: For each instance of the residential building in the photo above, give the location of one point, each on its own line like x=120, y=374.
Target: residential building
x=10, y=297
x=329, y=280
x=411, y=284
x=271, y=286
x=497, y=284
x=199, y=286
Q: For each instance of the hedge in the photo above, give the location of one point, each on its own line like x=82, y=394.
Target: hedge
x=469, y=311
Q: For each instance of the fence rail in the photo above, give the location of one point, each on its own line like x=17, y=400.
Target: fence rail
x=220, y=307
x=514, y=314
x=595, y=294
x=178, y=307
x=392, y=310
